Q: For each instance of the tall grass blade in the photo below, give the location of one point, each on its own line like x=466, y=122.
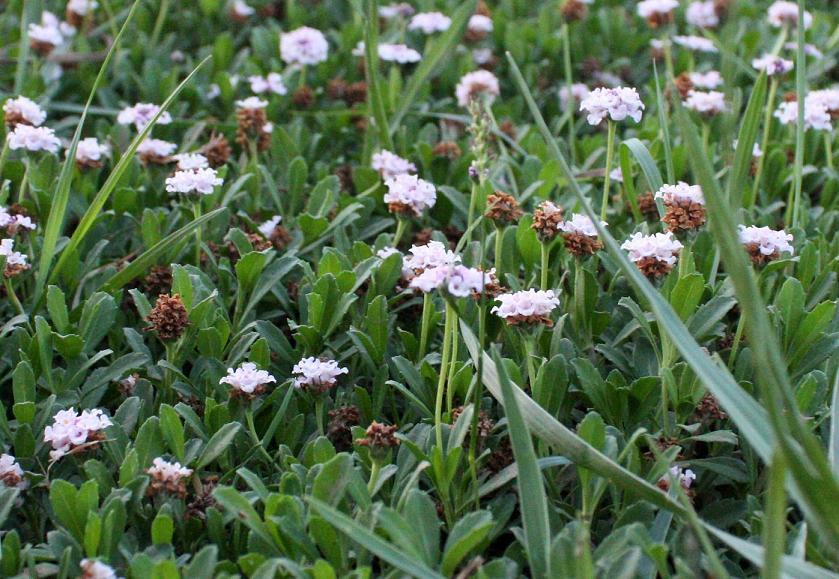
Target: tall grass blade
x=745, y=143
x=375, y=100
x=534, y=503
x=110, y=184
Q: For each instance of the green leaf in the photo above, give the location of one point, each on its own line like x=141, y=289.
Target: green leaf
x=219, y=442
x=172, y=430
x=467, y=534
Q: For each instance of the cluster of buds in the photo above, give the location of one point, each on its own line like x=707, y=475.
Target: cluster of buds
x=379, y=438
x=168, y=317
x=527, y=307
x=546, y=220
x=253, y=123
x=580, y=235
x=15, y=220
x=685, y=206
x=316, y=375
x=247, y=381
x=167, y=477
x=72, y=432
x=502, y=209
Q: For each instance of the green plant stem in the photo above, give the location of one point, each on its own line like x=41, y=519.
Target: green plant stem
x=499, y=238
x=319, y=413
x=735, y=344
x=444, y=366
x=4, y=152
x=610, y=150
x=473, y=205
x=301, y=80
x=375, y=469
x=764, y=141
x=252, y=430
x=800, y=92
x=160, y=21
x=13, y=296
x=828, y=149
x=196, y=211
x=427, y=310
x=529, y=342
x=569, y=82
x=452, y=363
x=401, y=227
x=21, y=194
x=546, y=252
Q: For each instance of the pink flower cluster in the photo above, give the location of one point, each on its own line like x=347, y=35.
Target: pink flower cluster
x=410, y=192
x=526, y=305
x=247, y=378
x=615, y=103
x=389, y=165
x=312, y=373
x=71, y=430
x=198, y=181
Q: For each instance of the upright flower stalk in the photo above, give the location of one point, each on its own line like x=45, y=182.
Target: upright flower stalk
x=610, y=149
x=767, y=124
x=450, y=317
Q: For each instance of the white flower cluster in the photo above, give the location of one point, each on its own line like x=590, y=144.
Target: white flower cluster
x=82, y=7
x=702, y=14
x=411, y=192
x=652, y=8
x=251, y=103
x=709, y=80
x=616, y=103
x=768, y=241
x=303, y=46
x=685, y=477
x=711, y=102
x=273, y=82
x=386, y=252
x=816, y=114
x=141, y=115
x=7, y=250
x=90, y=150
x=399, y=53
x=773, y=65
x=580, y=224
x=662, y=247
x=422, y=257
x=827, y=98
x=782, y=13
x=266, y=228
x=480, y=83
x=479, y=23
x=460, y=281
x=25, y=109
x=242, y=9
x=430, y=22
x=402, y=9
x=93, y=569
x=15, y=221
x=196, y=181
x=576, y=93
x=697, y=43
x=33, y=139
x=681, y=192
x=191, y=161
x=247, y=378
x=167, y=471
x=389, y=165
x=11, y=474
x=312, y=372
x=71, y=429
x=156, y=148
x=50, y=30
x=526, y=304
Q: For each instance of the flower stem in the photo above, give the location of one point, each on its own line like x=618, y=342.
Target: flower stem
x=23, y=184
x=444, y=367
x=828, y=149
x=13, y=296
x=401, y=227
x=473, y=204
x=569, y=82
x=196, y=211
x=546, y=251
x=375, y=468
x=499, y=238
x=319, y=414
x=529, y=352
x=452, y=362
x=610, y=150
x=427, y=310
x=161, y=20
x=764, y=141
x=4, y=152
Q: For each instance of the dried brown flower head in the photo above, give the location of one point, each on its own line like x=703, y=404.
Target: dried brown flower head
x=446, y=149
x=647, y=206
x=683, y=215
x=379, y=438
x=573, y=10
x=356, y=93
x=217, y=150
x=168, y=317
x=251, y=125
x=581, y=245
x=341, y=421
x=502, y=209
x=158, y=281
x=303, y=97
x=546, y=218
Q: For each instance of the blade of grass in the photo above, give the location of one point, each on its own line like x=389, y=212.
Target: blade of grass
x=648, y=167
x=149, y=257
x=534, y=503
x=375, y=101
x=661, y=105
x=775, y=520
x=55, y=221
x=372, y=542
x=23, y=45
x=110, y=184
x=745, y=143
x=442, y=47
x=800, y=93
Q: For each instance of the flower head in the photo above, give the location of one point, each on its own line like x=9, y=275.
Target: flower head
x=458, y=280
x=266, y=228
x=580, y=235
x=303, y=46
x=686, y=478
x=809, y=49
x=680, y=192
x=708, y=80
x=271, y=83
x=546, y=219
x=773, y=65
x=141, y=115
x=155, y=151
x=168, y=317
x=251, y=103
x=71, y=430
x=191, y=161
x=764, y=244
x=783, y=12
x=616, y=103
x=697, y=43
x=480, y=83
x=408, y=194
x=89, y=152
x=247, y=379
x=526, y=307
x=23, y=111
x=430, y=22
x=479, y=23
x=93, y=569
x=389, y=165
x=402, y=9
x=195, y=181
x=11, y=475
x=317, y=375
x=15, y=260
x=577, y=92
x=242, y=10
x=423, y=257
x=816, y=115
x=707, y=103
x=702, y=14
x=33, y=139
x=168, y=477
x=399, y=53
x=655, y=255
x=657, y=12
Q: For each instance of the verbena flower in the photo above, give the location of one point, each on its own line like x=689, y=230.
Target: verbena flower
x=809, y=49
x=251, y=103
x=141, y=115
x=655, y=255
x=23, y=111
x=266, y=228
x=827, y=98
x=480, y=83
x=408, y=194
x=386, y=252
x=685, y=477
x=679, y=192
x=242, y=10
x=458, y=280
x=783, y=12
x=93, y=569
x=702, y=14
x=71, y=430
x=697, y=43
x=580, y=235
x=482, y=56
x=431, y=255
x=195, y=181
x=317, y=375
x=389, y=165
x=49, y=33
x=615, y=103
x=657, y=12
x=15, y=260
x=685, y=206
x=82, y=7
x=191, y=161
x=773, y=65
x=167, y=477
x=33, y=139
x=707, y=103
x=247, y=378
x=273, y=82
x=764, y=244
x=13, y=222
x=303, y=46
x=155, y=151
x=708, y=80
x=90, y=152
x=430, y=22
x=11, y=475
x=526, y=307
x=546, y=219
x=398, y=53
x=816, y=115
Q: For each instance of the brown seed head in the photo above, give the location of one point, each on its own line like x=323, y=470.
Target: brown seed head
x=168, y=317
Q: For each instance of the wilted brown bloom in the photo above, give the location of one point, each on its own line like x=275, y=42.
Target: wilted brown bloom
x=581, y=245
x=757, y=257
x=168, y=317
x=652, y=267
x=344, y=174
x=126, y=385
x=647, y=205
x=197, y=508
x=336, y=89
x=356, y=93
x=573, y=10
x=501, y=457
x=158, y=281
x=485, y=425
x=546, y=218
x=339, y=430
x=14, y=269
x=683, y=215
x=502, y=209
x=217, y=150
x=446, y=149
x=683, y=84
x=379, y=438
x=303, y=97
x=709, y=408
x=252, y=124
x=659, y=19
